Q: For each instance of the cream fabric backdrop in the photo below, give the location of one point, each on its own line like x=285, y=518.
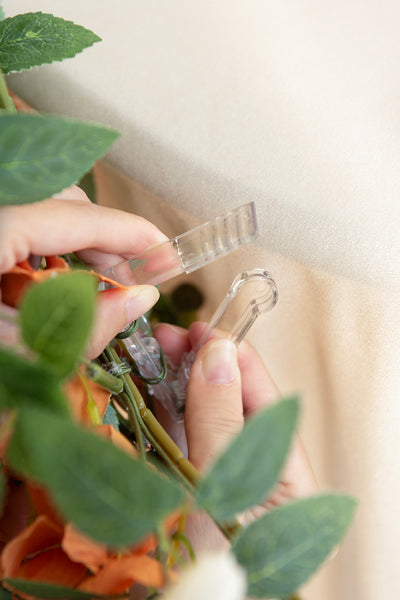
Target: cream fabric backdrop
x=294, y=105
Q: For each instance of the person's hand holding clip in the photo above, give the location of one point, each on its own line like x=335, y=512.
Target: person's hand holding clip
x=226, y=385
x=99, y=236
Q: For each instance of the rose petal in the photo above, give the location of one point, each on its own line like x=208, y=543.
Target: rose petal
x=14, y=285
x=109, y=432
x=52, y=566
x=41, y=535
x=15, y=511
x=55, y=262
x=80, y=548
x=77, y=397
x=119, y=574
x=43, y=504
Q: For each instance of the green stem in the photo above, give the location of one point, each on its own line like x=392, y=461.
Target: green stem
x=164, y=544
x=134, y=420
x=156, y=431
x=6, y=102
x=159, y=448
x=170, y=453
x=97, y=374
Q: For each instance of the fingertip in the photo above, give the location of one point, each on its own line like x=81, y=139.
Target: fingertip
x=140, y=298
x=219, y=362
x=117, y=308
x=167, y=329
x=196, y=331
x=159, y=236
x=73, y=192
x=173, y=340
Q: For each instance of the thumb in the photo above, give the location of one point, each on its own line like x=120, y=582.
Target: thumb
x=115, y=309
x=214, y=410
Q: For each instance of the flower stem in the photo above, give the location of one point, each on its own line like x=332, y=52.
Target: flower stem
x=170, y=453
x=99, y=375
x=134, y=420
x=6, y=102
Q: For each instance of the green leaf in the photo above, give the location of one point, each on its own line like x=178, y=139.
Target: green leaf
x=88, y=184
x=2, y=15
x=250, y=466
x=110, y=417
x=282, y=549
x=56, y=318
x=6, y=103
x=23, y=383
x=33, y=39
x=40, y=156
x=48, y=591
x=5, y=595
x=110, y=496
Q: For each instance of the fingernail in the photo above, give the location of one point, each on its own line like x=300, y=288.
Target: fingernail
x=160, y=237
x=71, y=193
x=219, y=362
x=141, y=299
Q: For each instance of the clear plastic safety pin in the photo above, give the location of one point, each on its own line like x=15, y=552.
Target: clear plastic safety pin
x=191, y=250
x=251, y=294
x=149, y=363
x=182, y=254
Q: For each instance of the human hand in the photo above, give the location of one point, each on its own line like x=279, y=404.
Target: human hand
x=226, y=385
x=99, y=236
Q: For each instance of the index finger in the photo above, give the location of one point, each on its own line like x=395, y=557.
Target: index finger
x=58, y=226
x=258, y=388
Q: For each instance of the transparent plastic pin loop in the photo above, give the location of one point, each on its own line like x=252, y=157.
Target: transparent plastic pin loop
x=145, y=352
x=191, y=250
x=251, y=294
x=254, y=293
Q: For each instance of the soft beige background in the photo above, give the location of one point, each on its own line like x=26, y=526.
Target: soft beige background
x=295, y=105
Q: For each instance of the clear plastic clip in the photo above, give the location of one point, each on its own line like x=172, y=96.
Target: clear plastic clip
x=191, y=250
x=251, y=294
x=149, y=363
x=183, y=254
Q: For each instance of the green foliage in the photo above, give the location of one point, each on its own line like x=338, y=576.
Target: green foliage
x=56, y=318
x=5, y=595
x=23, y=383
x=110, y=417
x=2, y=15
x=33, y=39
x=40, y=156
x=88, y=185
x=250, y=466
x=110, y=496
x=283, y=548
x=48, y=591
